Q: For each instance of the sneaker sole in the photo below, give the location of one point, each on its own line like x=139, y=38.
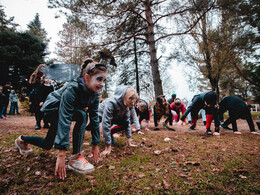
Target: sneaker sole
x=82, y=172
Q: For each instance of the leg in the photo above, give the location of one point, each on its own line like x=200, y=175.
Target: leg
x=38, y=118
x=12, y=109
x=194, y=118
x=79, y=130
x=177, y=117
x=17, y=108
x=48, y=142
x=189, y=118
x=1, y=112
x=248, y=117
x=203, y=115
x=155, y=118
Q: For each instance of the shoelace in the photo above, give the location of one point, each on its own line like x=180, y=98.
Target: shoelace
x=82, y=160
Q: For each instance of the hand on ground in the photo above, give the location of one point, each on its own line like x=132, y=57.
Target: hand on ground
x=140, y=132
x=60, y=165
x=130, y=143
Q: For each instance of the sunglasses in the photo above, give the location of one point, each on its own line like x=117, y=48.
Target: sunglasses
x=98, y=66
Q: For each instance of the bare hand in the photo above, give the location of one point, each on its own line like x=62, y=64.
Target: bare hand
x=107, y=150
x=40, y=104
x=130, y=143
x=60, y=165
x=96, y=153
x=180, y=123
x=140, y=132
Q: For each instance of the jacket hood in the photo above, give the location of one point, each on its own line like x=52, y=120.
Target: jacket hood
x=120, y=94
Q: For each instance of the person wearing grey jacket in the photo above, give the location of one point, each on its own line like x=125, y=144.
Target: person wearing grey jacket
x=71, y=103
x=118, y=110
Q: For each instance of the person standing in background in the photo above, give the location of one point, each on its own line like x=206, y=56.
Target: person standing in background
x=44, y=90
x=36, y=79
x=171, y=100
x=6, y=91
x=2, y=102
x=14, y=103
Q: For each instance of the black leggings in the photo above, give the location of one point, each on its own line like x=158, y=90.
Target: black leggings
x=52, y=118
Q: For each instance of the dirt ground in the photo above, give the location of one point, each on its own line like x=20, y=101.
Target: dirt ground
x=25, y=123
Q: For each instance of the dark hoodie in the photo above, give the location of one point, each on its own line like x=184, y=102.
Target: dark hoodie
x=198, y=102
x=113, y=108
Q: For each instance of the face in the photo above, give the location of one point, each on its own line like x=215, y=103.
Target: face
x=1, y=90
x=130, y=98
x=95, y=82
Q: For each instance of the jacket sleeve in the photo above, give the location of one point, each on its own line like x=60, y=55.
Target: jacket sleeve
x=128, y=130
x=190, y=107
x=94, y=120
x=66, y=109
x=107, y=121
x=135, y=118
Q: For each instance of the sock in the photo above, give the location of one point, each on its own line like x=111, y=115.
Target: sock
x=209, y=118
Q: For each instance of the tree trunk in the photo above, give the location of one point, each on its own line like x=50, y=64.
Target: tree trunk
x=136, y=69
x=214, y=86
x=152, y=50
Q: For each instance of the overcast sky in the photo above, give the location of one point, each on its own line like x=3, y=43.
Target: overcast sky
x=24, y=12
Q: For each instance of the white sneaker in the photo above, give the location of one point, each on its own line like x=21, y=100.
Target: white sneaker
x=79, y=164
x=237, y=132
x=216, y=133
x=23, y=148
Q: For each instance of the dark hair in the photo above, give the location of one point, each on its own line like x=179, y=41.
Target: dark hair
x=37, y=74
x=90, y=67
x=211, y=98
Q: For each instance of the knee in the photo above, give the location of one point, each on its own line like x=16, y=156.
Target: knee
x=48, y=147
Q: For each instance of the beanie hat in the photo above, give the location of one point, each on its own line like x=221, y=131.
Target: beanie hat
x=210, y=98
x=174, y=95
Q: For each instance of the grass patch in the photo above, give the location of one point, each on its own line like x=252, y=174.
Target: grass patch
x=190, y=163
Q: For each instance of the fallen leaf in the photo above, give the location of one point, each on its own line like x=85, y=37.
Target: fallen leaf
x=93, y=182
x=241, y=170
x=183, y=175
x=141, y=175
x=111, y=167
x=99, y=167
x=242, y=176
x=157, y=152
x=166, y=185
x=167, y=139
x=89, y=177
x=38, y=173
